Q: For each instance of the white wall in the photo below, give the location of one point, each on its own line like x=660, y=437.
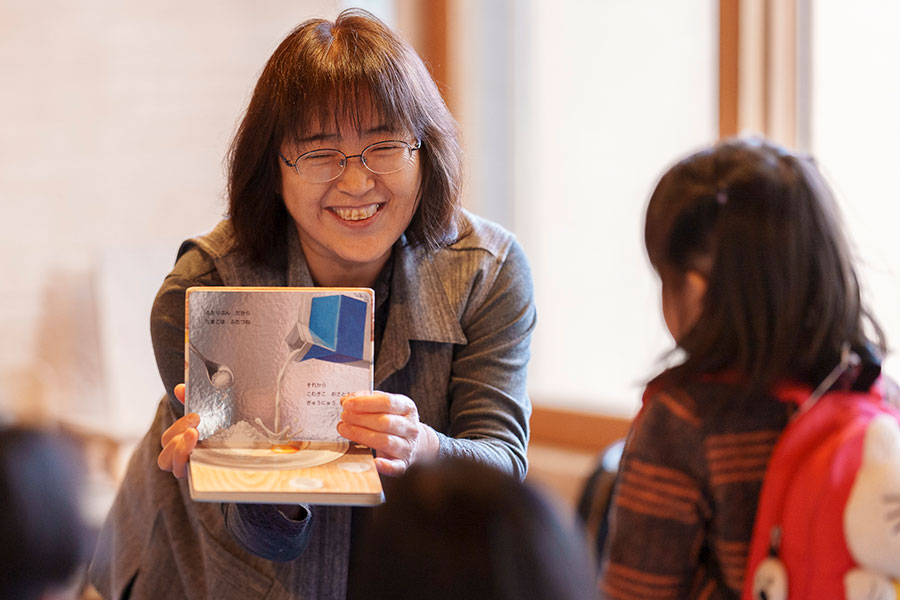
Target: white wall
x=114, y=120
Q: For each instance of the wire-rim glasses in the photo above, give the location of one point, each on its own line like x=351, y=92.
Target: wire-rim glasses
x=327, y=164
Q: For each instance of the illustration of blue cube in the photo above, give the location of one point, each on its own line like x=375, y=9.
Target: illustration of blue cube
x=338, y=325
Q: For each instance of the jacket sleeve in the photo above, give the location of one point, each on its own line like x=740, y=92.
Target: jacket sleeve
x=659, y=510
x=194, y=267
x=260, y=528
x=489, y=406
x=263, y=530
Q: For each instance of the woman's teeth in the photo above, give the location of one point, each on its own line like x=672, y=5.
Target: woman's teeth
x=356, y=214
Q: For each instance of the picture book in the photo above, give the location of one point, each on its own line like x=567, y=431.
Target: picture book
x=265, y=368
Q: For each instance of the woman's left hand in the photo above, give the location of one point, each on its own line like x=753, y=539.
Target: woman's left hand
x=389, y=424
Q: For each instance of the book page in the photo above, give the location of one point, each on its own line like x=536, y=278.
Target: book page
x=265, y=370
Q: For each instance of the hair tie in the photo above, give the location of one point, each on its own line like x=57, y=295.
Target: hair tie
x=721, y=198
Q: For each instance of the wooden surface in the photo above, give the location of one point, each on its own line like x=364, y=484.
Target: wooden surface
x=590, y=432
x=565, y=447
x=350, y=479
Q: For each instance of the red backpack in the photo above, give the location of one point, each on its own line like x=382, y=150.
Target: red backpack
x=828, y=520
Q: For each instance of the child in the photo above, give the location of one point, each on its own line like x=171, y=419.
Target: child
x=758, y=291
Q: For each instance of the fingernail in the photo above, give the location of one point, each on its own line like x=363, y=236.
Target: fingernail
x=194, y=419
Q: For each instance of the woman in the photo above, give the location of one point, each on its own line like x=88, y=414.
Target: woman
x=344, y=172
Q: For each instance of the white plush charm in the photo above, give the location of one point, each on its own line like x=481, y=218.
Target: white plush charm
x=770, y=580
x=872, y=515
x=862, y=584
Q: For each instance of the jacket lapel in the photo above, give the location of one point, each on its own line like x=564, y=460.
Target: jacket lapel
x=419, y=310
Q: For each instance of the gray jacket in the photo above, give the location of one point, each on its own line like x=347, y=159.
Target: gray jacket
x=456, y=341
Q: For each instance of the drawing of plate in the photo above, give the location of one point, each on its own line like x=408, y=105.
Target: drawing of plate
x=295, y=455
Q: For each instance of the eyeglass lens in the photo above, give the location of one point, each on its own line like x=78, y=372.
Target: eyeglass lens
x=382, y=158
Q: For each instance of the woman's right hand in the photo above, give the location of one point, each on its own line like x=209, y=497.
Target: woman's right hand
x=179, y=440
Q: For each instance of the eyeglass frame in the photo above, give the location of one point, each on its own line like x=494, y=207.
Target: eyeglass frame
x=347, y=157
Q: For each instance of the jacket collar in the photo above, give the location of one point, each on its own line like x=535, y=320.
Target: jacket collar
x=235, y=269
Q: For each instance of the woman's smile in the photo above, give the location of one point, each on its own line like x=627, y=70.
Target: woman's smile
x=362, y=213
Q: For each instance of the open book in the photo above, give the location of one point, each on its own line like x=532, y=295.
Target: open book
x=265, y=368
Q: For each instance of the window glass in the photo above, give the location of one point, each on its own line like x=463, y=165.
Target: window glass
x=611, y=94
x=854, y=128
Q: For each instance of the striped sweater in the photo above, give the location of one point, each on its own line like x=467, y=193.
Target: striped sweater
x=687, y=491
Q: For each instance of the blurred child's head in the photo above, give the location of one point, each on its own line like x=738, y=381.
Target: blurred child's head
x=459, y=529
x=755, y=269
x=42, y=532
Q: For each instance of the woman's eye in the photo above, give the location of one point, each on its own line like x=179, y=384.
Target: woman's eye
x=385, y=150
x=318, y=157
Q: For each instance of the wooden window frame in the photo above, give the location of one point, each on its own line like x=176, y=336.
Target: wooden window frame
x=764, y=69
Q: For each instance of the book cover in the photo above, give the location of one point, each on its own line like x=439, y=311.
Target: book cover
x=265, y=368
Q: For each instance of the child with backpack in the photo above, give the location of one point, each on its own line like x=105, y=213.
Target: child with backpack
x=761, y=297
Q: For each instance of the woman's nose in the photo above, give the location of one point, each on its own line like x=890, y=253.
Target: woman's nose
x=356, y=178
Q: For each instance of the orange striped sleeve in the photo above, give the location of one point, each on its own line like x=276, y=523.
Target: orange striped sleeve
x=658, y=491
x=736, y=457
x=623, y=583
x=678, y=407
x=733, y=561
x=707, y=592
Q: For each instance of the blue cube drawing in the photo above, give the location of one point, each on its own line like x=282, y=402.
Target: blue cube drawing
x=338, y=324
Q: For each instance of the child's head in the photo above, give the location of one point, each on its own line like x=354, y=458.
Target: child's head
x=43, y=537
x=756, y=272
x=459, y=529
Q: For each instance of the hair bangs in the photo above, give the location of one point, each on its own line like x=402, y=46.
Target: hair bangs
x=339, y=77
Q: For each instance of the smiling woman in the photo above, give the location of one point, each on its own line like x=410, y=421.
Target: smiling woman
x=348, y=215
x=345, y=171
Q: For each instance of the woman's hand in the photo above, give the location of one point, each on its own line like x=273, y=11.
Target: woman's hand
x=389, y=424
x=179, y=440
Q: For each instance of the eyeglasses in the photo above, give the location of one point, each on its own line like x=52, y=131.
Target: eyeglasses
x=325, y=164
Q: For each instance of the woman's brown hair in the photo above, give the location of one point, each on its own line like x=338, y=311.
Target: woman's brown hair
x=332, y=72
x=782, y=295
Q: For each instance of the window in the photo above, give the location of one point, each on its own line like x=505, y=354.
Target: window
x=853, y=132
x=570, y=112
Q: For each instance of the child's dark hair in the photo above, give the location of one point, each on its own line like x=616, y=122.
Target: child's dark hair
x=455, y=528
x=763, y=226
x=43, y=535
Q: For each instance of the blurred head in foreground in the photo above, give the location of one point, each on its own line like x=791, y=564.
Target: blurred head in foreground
x=458, y=529
x=42, y=532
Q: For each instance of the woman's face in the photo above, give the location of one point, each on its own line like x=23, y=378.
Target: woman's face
x=347, y=226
